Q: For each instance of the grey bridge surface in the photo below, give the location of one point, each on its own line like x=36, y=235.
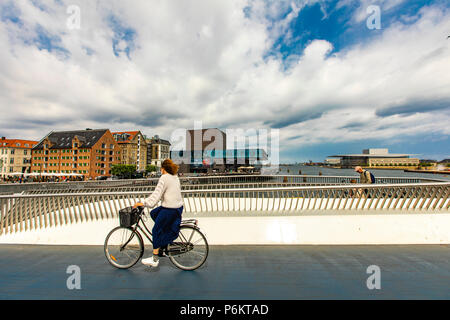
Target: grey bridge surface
x=232, y=272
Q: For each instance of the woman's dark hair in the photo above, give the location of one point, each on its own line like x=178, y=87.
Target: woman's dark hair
x=170, y=166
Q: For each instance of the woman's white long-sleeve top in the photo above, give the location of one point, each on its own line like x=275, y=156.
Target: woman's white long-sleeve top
x=168, y=190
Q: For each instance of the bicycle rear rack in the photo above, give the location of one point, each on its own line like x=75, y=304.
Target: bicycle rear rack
x=189, y=222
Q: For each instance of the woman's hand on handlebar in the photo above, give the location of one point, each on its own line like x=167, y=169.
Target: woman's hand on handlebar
x=137, y=205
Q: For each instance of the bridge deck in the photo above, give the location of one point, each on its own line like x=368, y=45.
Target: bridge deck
x=232, y=272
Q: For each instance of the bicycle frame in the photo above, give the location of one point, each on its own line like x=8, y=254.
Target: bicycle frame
x=148, y=234
x=136, y=226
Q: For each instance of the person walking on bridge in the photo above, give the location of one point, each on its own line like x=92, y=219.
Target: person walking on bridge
x=167, y=217
x=364, y=175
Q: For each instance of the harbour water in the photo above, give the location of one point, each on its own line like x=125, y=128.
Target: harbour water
x=327, y=171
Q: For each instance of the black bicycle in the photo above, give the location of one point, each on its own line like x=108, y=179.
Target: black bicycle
x=124, y=245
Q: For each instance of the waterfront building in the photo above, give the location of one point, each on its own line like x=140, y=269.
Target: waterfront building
x=15, y=156
x=332, y=162
x=376, y=158
x=204, y=139
x=90, y=153
x=158, y=150
x=133, y=148
x=209, y=161
x=206, y=152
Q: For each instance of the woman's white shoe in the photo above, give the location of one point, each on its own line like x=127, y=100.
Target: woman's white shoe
x=150, y=262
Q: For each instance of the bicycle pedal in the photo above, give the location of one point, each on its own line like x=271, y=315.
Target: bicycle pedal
x=162, y=254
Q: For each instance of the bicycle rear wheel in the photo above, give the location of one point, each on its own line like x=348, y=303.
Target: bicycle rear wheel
x=123, y=247
x=190, y=250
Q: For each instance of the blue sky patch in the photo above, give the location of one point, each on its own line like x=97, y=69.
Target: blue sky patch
x=10, y=13
x=38, y=4
x=327, y=21
x=124, y=37
x=52, y=43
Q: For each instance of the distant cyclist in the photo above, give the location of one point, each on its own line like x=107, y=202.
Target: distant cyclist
x=167, y=217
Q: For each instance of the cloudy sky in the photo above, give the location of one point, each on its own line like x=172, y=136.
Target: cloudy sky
x=321, y=72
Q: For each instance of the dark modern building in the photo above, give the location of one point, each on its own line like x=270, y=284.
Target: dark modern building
x=218, y=160
x=206, y=152
x=206, y=138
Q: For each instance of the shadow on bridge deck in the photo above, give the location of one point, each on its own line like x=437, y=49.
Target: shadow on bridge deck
x=232, y=272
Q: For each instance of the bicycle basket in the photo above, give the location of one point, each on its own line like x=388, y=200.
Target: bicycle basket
x=128, y=217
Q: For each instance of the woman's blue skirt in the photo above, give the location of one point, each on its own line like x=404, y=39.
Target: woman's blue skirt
x=167, y=225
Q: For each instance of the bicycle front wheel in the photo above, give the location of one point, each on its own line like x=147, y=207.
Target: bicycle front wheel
x=190, y=250
x=123, y=247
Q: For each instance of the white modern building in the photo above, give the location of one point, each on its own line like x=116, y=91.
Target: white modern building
x=376, y=157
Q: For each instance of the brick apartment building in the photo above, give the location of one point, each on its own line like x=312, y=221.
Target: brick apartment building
x=158, y=150
x=133, y=148
x=15, y=156
x=89, y=152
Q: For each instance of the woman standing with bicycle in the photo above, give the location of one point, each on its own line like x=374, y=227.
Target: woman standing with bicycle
x=167, y=217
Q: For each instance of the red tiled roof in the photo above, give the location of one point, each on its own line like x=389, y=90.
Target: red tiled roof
x=17, y=143
x=131, y=137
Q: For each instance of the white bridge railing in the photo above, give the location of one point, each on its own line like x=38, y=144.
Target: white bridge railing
x=207, y=182
x=21, y=212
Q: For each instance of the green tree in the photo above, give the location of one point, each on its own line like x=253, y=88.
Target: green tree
x=151, y=168
x=123, y=170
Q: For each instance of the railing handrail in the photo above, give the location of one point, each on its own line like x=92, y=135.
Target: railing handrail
x=239, y=190
x=302, y=175
x=22, y=211
x=220, y=177
x=346, y=186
